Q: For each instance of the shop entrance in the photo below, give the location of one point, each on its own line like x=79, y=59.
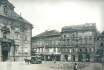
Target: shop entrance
x=5, y=55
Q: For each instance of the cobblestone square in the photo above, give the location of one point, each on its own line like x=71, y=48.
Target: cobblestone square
x=46, y=65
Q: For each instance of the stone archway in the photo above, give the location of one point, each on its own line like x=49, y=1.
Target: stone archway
x=5, y=51
x=4, y=55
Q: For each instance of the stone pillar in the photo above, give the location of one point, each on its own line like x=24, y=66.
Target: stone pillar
x=76, y=58
x=12, y=53
x=0, y=53
x=69, y=57
x=0, y=33
x=84, y=58
x=62, y=57
x=8, y=55
x=44, y=58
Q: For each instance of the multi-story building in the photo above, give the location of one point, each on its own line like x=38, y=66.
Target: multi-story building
x=15, y=33
x=78, y=42
x=48, y=44
x=99, y=47
x=75, y=43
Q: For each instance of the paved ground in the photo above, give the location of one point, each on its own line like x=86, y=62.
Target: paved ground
x=44, y=66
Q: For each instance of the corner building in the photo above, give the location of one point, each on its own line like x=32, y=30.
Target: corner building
x=15, y=34
x=78, y=42
x=48, y=45
x=99, y=47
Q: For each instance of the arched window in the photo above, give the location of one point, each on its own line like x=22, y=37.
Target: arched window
x=4, y=34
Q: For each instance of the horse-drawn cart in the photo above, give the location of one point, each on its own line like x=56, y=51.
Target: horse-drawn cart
x=34, y=59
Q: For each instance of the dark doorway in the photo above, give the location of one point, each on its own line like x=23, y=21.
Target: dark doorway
x=66, y=57
x=5, y=55
x=87, y=58
x=80, y=57
x=58, y=57
x=73, y=56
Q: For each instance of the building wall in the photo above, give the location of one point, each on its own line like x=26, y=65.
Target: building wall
x=20, y=30
x=48, y=45
x=77, y=43
x=79, y=40
x=99, y=45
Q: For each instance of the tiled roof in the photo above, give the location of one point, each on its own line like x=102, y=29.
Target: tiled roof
x=48, y=33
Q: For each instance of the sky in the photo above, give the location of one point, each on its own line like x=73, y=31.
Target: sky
x=55, y=14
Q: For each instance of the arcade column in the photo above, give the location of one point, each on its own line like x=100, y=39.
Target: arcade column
x=0, y=53
x=62, y=57
x=12, y=53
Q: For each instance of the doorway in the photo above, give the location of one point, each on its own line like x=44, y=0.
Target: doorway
x=87, y=58
x=5, y=55
x=80, y=58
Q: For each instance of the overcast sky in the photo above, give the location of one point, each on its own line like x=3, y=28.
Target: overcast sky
x=55, y=14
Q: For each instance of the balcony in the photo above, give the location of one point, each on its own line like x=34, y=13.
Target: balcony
x=82, y=52
x=52, y=45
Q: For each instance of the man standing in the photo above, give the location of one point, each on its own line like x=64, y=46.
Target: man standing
x=75, y=67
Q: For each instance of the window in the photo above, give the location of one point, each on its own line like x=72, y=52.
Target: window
x=70, y=50
x=65, y=36
x=54, y=49
x=92, y=49
x=59, y=50
x=89, y=50
x=101, y=44
x=73, y=35
x=4, y=35
x=99, y=38
x=16, y=49
x=80, y=50
x=16, y=33
x=73, y=50
x=85, y=50
x=25, y=38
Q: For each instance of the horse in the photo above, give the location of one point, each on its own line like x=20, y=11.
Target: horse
x=27, y=60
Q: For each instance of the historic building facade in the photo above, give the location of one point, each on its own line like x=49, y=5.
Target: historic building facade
x=73, y=43
x=48, y=45
x=15, y=33
x=78, y=42
x=99, y=47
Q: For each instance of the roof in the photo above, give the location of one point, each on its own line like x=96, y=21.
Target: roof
x=48, y=33
x=11, y=13
x=81, y=26
x=101, y=34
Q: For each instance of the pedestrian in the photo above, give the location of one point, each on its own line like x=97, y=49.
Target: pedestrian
x=54, y=61
x=75, y=66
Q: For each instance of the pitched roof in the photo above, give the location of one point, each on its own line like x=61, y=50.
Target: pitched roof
x=101, y=35
x=48, y=33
